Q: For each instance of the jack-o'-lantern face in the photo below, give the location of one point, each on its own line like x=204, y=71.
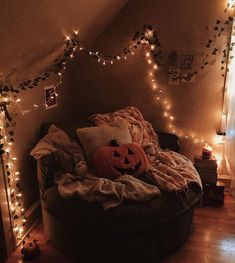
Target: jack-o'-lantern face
x=126, y=160
x=114, y=161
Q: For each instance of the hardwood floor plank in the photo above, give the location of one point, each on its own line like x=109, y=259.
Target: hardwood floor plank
x=212, y=240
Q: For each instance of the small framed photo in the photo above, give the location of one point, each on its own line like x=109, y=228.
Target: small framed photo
x=50, y=97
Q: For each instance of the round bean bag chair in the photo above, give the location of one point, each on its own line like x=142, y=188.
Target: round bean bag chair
x=131, y=232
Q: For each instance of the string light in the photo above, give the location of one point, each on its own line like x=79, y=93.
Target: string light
x=72, y=45
x=167, y=107
x=13, y=187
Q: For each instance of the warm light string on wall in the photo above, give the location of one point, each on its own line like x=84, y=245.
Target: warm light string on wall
x=8, y=96
x=159, y=96
x=148, y=38
x=14, y=190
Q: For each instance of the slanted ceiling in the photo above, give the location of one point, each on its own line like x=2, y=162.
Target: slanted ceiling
x=31, y=36
x=31, y=32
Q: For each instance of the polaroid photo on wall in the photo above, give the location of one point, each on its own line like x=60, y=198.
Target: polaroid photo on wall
x=50, y=97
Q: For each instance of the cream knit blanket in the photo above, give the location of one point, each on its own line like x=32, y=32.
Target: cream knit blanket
x=108, y=193
x=169, y=170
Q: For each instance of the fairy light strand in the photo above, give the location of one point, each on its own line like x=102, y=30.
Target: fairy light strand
x=14, y=190
x=73, y=46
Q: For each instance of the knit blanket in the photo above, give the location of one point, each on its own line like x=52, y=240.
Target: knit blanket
x=106, y=192
x=169, y=170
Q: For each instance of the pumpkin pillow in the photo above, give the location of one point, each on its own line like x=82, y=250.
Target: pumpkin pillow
x=116, y=160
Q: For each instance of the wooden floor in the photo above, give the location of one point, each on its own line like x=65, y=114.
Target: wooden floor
x=212, y=241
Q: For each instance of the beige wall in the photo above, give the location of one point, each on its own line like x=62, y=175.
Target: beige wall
x=182, y=26
x=31, y=36
x=31, y=33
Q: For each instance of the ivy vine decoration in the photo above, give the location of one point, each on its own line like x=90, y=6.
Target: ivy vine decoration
x=219, y=28
x=12, y=176
x=149, y=36
x=58, y=66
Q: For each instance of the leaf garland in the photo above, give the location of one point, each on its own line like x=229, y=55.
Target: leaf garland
x=147, y=36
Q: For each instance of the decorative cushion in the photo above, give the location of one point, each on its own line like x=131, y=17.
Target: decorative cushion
x=92, y=138
x=141, y=130
x=116, y=160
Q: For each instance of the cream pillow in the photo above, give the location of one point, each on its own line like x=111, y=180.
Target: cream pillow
x=92, y=138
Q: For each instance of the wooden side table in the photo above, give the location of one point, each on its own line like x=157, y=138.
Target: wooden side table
x=207, y=169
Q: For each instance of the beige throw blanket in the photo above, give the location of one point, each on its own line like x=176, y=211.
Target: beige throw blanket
x=108, y=193
x=169, y=170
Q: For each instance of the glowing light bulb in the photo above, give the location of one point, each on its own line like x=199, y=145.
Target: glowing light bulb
x=67, y=38
x=75, y=32
x=147, y=54
x=150, y=61
x=154, y=86
x=118, y=57
x=155, y=67
x=148, y=33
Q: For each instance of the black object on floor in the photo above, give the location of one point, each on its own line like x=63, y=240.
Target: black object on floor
x=213, y=194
